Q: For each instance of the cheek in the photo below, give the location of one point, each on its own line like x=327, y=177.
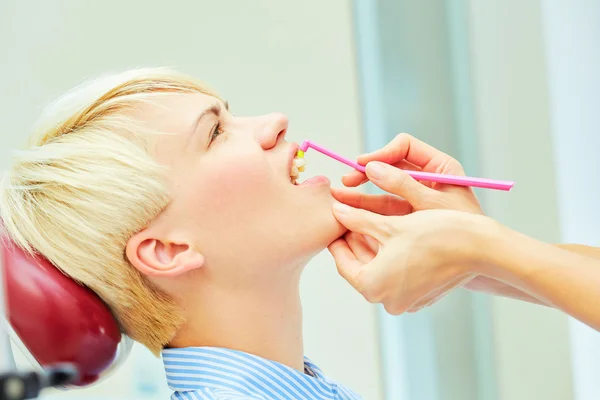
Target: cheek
x=238, y=180
x=231, y=208
x=235, y=188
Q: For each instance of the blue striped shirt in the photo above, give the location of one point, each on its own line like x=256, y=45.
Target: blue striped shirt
x=213, y=373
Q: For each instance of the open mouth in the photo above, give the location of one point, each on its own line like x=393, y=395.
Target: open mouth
x=298, y=165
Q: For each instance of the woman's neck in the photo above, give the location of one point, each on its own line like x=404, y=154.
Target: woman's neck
x=265, y=320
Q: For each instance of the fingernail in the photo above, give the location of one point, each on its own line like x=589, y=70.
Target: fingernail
x=341, y=208
x=375, y=170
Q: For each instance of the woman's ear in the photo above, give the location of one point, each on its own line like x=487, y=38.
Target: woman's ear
x=153, y=255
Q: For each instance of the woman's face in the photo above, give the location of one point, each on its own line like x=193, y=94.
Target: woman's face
x=232, y=192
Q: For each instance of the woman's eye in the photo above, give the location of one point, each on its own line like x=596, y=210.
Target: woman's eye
x=216, y=132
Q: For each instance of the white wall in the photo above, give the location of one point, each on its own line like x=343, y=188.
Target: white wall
x=263, y=56
x=510, y=91
x=572, y=33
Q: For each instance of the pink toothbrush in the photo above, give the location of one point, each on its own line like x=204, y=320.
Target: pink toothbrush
x=422, y=176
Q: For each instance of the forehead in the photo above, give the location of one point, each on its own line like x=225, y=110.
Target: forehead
x=173, y=117
x=174, y=112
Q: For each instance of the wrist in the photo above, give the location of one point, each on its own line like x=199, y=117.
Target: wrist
x=485, y=237
x=497, y=247
x=467, y=242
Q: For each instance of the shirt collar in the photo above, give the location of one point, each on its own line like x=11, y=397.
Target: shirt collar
x=195, y=368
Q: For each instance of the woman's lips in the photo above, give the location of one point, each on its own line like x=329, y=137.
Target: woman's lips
x=316, y=180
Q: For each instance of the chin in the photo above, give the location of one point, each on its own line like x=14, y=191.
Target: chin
x=316, y=238
x=329, y=231
x=340, y=231
x=319, y=227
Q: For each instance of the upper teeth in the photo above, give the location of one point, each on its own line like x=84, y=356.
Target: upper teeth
x=297, y=167
x=300, y=163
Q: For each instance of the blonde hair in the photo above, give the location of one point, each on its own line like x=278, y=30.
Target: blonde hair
x=87, y=183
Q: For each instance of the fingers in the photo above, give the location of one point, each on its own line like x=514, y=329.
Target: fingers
x=383, y=204
x=372, y=243
x=363, y=278
x=357, y=178
x=359, y=246
x=411, y=149
x=362, y=221
x=346, y=261
x=402, y=147
x=398, y=182
x=354, y=179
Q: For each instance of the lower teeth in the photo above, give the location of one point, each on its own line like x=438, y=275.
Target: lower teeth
x=299, y=166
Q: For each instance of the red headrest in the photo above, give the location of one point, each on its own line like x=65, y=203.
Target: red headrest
x=57, y=319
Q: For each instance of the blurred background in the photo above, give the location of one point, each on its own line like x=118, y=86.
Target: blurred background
x=510, y=88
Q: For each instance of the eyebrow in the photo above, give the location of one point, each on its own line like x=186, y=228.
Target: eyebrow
x=214, y=109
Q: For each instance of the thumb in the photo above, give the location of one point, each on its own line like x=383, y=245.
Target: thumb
x=398, y=182
x=362, y=221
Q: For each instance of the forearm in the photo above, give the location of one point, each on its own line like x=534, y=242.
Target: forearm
x=487, y=285
x=566, y=277
x=588, y=251
x=501, y=289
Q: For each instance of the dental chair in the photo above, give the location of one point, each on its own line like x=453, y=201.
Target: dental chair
x=67, y=332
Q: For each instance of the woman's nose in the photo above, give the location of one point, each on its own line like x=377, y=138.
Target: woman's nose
x=271, y=129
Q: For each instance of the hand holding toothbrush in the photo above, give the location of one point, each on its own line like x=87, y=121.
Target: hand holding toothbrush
x=409, y=248
x=421, y=175
x=385, y=168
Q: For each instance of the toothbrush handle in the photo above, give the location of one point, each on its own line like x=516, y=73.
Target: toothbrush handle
x=426, y=176
x=455, y=179
x=462, y=180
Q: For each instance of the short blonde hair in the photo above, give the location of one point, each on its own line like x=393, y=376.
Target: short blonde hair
x=87, y=183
